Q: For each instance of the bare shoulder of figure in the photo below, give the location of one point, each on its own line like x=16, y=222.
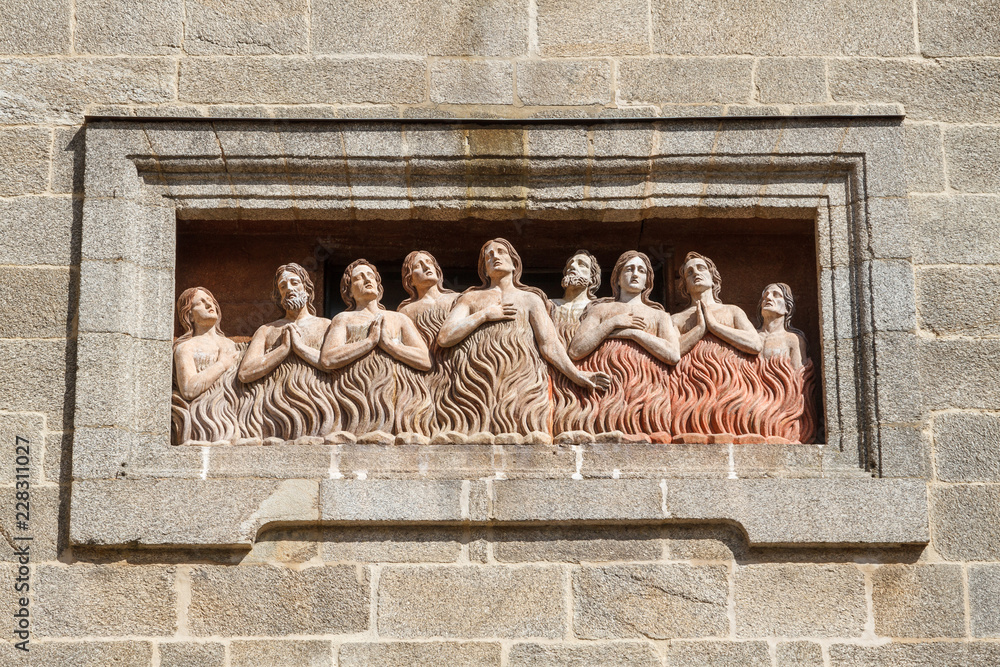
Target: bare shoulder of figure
x=227, y=344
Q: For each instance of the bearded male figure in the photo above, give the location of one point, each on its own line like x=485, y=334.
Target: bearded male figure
x=283, y=395
x=503, y=335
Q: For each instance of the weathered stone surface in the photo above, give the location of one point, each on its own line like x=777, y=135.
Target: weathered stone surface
x=918, y=601
x=967, y=447
x=434, y=602
x=564, y=82
x=191, y=654
x=592, y=27
x=420, y=654
x=271, y=601
x=967, y=149
x=938, y=654
x=277, y=461
x=27, y=425
x=960, y=229
x=799, y=654
x=112, y=27
x=38, y=230
x=24, y=168
x=718, y=654
x=791, y=80
x=472, y=82
x=34, y=378
x=284, y=545
x=782, y=28
x=924, y=157
x=575, y=545
x=984, y=591
x=278, y=653
x=618, y=654
x=966, y=28
x=705, y=542
x=43, y=525
x=966, y=521
x=654, y=601
x=275, y=80
x=950, y=90
x=960, y=373
x=396, y=544
x=35, y=27
x=904, y=451
x=390, y=500
x=959, y=300
x=104, y=601
x=48, y=290
x=425, y=27
x=248, y=27
x=891, y=287
x=794, y=600
x=91, y=653
x=607, y=499
x=898, y=361
x=690, y=80
x=56, y=90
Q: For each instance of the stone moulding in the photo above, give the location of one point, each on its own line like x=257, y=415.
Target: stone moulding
x=846, y=174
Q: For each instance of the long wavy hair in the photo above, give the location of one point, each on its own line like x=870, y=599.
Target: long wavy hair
x=306, y=282
x=716, y=276
x=595, y=272
x=786, y=293
x=616, y=275
x=345, y=283
x=518, y=271
x=407, y=275
x=185, y=303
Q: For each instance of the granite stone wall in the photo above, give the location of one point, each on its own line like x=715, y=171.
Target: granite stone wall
x=637, y=595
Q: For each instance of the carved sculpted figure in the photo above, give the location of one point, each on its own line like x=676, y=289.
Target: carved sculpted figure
x=632, y=339
x=203, y=403
x=775, y=310
x=373, y=351
x=502, y=332
x=284, y=394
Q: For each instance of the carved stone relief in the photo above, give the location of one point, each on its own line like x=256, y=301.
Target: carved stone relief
x=498, y=363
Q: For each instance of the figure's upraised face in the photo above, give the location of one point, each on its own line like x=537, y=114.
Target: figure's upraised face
x=364, y=283
x=422, y=271
x=498, y=260
x=773, y=300
x=578, y=271
x=203, y=311
x=697, y=276
x=634, y=277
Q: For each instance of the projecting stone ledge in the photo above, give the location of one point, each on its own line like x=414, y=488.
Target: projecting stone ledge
x=231, y=513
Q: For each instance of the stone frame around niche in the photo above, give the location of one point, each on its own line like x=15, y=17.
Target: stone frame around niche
x=129, y=486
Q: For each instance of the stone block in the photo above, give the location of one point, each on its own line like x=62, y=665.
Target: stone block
x=294, y=80
x=192, y=654
x=796, y=600
x=274, y=461
x=249, y=27
x=892, y=289
x=576, y=545
x=686, y=81
x=890, y=231
x=38, y=230
x=966, y=521
x=782, y=28
x=967, y=149
x=36, y=27
x=705, y=542
x=924, y=151
x=278, y=653
x=420, y=654
x=918, y=601
x=426, y=27
x=34, y=378
x=391, y=544
x=56, y=90
x=43, y=523
x=959, y=300
x=121, y=230
x=588, y=500
x=904, y=451
x=612, y=654
x=104, y=601
x=67, y=160
x=390, y=500
x=434, y=602
x=131, y=27
x=955, y=91
x=960, y=373
x=24, y=161
x=961, y=229
x=791, y=80
x=896, y=654
x=967, y=28
x=472, y=82
x=799, y=654
x=718, y=654
x=269, y=601
x=28, y=425
x=592, y=27
x=284, y=546
x=120, y=297
x=654, y=601
x=899, y=367
x=564, y=82
x=227, y=512
x=984, y=591
x=967, y=447
x=92, y=653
